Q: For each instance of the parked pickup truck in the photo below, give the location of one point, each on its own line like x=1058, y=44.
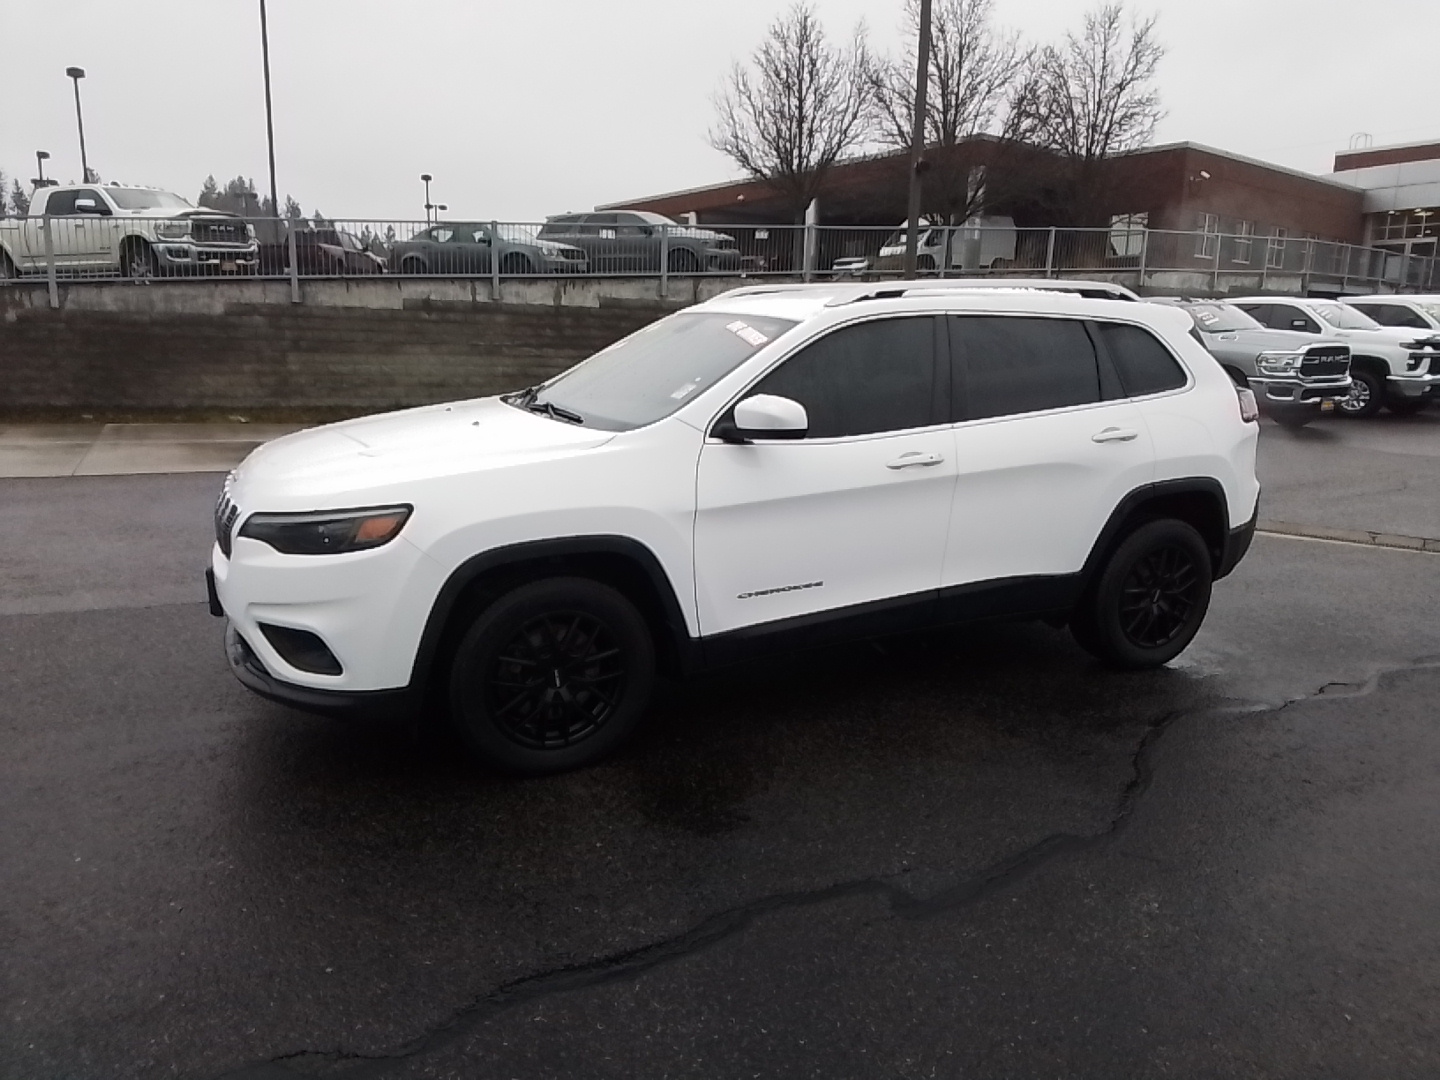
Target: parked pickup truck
x=1294, y=374
x=133, y=231
x=1393, y=367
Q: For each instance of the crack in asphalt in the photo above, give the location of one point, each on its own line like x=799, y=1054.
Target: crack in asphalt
x=635, y=962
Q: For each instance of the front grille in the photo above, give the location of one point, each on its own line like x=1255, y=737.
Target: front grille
x=1325, y=360
x=1418, y=363
x=226, y=512
x=218, y=231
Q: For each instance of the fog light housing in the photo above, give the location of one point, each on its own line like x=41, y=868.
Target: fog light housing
x=301, y=649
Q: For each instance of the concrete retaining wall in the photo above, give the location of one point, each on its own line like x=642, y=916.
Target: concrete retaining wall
x=284, y=358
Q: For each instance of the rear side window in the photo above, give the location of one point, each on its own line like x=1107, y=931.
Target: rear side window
x=872, y=377
x=1021, y=365
x=1145, y=365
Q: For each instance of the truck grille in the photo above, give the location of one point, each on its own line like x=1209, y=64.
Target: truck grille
x=1325, y=360
x=218, y=231
x=226, y=513
x=1418, y=363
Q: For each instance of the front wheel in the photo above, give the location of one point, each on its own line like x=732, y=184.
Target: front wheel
x=515, y=265
x=1367, y=393
x=1149, y=600
x=138, y=261
x=553, y=675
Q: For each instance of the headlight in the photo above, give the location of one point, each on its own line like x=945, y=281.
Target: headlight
x=173, y=230
x=1279, y=363
x=327, y=532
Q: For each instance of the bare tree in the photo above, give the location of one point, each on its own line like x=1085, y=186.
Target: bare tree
x=972, y=72
x=1092, y=98
x=800, y=107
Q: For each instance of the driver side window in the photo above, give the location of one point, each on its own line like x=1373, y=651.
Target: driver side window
x=863, y=379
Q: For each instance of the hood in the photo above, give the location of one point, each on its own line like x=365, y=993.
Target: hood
x=345, y=464
x=1269, y=340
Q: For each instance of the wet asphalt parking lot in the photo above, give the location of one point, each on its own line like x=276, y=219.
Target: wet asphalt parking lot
x=973, y=854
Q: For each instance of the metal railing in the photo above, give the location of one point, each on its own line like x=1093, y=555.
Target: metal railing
x=91, y=247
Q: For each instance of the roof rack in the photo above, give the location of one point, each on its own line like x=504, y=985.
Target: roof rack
x=1093, y=290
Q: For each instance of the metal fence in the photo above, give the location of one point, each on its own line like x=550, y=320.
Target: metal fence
x=124, y=248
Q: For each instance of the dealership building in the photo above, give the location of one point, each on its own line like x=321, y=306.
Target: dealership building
x=1241, y=213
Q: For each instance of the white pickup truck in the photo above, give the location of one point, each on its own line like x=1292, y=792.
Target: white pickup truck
x=135, y=232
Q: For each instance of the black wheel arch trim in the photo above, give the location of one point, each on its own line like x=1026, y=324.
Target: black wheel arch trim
x=685, y=648
x=1219, y=544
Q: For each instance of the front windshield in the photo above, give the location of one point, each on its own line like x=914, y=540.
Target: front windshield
x=648, y=375
x=1345, y=317
x=1221, y=318
x=136, y=199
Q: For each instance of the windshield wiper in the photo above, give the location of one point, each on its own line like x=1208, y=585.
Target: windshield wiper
x=529, y=400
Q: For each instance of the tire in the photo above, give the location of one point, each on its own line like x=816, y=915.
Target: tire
x=7, y=268
x=515, y=265
x=682, y=262
x=1408, y=406
x=1149, y=600
x=522, y=706
x=137, y=261
x=1367, y=394
x=413, y=266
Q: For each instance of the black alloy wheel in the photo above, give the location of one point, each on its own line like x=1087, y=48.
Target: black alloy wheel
x=1367, y=394
x=1158, y=596
x=552, y=675
x=1149, y=599
x=556, y=681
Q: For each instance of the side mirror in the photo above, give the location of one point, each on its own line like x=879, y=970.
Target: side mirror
x=85, y=206
x=767, y=416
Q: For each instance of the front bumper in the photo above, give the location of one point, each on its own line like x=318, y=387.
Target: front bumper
x=352, y=704
x=1416, y=383
x=182, y=254
x=1301, y=391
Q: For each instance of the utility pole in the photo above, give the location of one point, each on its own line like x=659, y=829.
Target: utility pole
x=269, y=113
x=917, y=141
x=77, y=74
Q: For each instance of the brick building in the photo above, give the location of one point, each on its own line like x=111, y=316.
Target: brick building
x=1179, y=186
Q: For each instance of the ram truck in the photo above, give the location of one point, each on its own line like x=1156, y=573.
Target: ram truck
x=135, y=232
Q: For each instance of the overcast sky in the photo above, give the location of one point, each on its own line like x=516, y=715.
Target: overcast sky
x=523, y=109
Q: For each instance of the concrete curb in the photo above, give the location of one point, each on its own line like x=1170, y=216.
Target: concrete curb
x=1351, y=536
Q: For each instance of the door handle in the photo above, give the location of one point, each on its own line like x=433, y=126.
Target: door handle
x=915, y=457
x=1115, y=434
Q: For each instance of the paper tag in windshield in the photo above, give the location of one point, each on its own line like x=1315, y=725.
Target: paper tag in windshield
x=684, y=390
x=1205, y=316
x=747, y=333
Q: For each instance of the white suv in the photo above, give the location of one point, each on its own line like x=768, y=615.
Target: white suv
x=777, y=467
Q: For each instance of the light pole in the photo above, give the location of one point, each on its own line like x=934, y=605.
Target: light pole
x=425, y=176
x=917, y=141
x=269, y=113
x=41, y=156
x=440, y=208
x=77, y=74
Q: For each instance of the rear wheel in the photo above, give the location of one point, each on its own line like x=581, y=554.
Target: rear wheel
x=1149, y=600
x=412, y=266
x=1367, y=393
x=7, y=268
x=551, y=676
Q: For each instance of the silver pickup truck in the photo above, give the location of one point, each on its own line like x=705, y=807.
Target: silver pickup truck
x=1295, y=375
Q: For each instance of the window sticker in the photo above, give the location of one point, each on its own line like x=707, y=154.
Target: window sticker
x=747, y=333
x=1206, y=317
x=685, y=390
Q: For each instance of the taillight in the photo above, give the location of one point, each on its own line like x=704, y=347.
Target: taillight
x=1249, y=407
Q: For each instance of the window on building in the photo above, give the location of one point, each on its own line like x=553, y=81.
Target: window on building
x=1275, y=249
x=1244, y=236
x=1208, y=242
x=1127, y=234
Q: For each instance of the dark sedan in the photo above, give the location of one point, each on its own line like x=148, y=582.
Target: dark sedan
x=457, y=247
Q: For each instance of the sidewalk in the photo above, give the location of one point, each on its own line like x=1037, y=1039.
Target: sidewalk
x=119, y=449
